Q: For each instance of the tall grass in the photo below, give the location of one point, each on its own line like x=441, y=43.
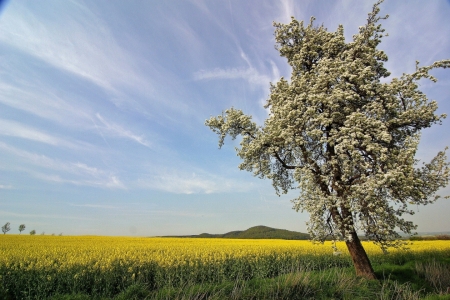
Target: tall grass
x=334, y=283
x=436, y=273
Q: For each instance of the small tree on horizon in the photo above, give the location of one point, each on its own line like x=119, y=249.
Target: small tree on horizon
x=21, y=228
x=6, y=228
x=342, y=137
x=33, y=232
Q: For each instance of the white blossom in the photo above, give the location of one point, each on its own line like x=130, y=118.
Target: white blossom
x=342, y=137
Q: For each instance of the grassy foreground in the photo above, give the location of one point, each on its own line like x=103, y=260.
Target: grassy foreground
x=49, y=267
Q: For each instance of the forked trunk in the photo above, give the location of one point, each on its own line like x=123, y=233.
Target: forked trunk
x=361, y=261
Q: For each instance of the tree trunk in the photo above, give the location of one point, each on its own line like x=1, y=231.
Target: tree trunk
x=361, y=261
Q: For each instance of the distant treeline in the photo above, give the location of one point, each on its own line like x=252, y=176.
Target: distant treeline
x=430, y=237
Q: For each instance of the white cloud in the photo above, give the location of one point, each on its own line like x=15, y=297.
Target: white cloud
x=275, y=71
x=85, y=168
x=101, y=206
x=249, y=74
x=11, y=128
x=105, y=182
x=176, y=213
x=59, y=216
x=191, y=183
x=418, y=32
x=117, y=130
x=84, y=46
x=40, y=99
x=112, y=182
x=287, y=10
x=72, y=173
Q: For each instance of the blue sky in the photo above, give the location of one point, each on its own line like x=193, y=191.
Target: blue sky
x=103, y=104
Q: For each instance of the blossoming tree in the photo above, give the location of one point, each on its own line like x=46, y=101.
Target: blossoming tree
x=343, y=137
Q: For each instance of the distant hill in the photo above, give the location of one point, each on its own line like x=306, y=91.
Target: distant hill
x=257, y=232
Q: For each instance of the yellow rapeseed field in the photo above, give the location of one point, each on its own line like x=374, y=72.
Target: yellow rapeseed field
x=102, y=265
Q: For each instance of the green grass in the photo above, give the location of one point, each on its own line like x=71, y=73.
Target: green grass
x=401, y=276
x=426, y=279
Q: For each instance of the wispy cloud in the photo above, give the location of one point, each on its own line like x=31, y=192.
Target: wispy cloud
x=117, y=130
x=96, y=206
x=162, y=214
x=105, y=182
x=5, y=187
x=42, y=216
x=72, y=173
x=249, y=74
x=39, y=98
x=84, y=46
x=286, y=10
x=190, y=183
x=415, y=35
x=178, y=213
x=15, y=129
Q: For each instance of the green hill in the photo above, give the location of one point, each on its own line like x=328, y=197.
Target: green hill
x=257, y=232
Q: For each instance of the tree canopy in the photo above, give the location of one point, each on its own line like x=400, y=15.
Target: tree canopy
x=344, y=135
x=6, y=228
x=21, y=227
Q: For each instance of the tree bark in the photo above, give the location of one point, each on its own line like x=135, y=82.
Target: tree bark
x=361, y=261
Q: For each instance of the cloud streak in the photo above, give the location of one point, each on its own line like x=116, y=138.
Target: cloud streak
x=81, y=173
x=249, y=74
x=179, y=182
x=84, y=46
x=40, y=99
x=15, y=129
x=117, y=130
x=41, y=216
x=95, y=206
